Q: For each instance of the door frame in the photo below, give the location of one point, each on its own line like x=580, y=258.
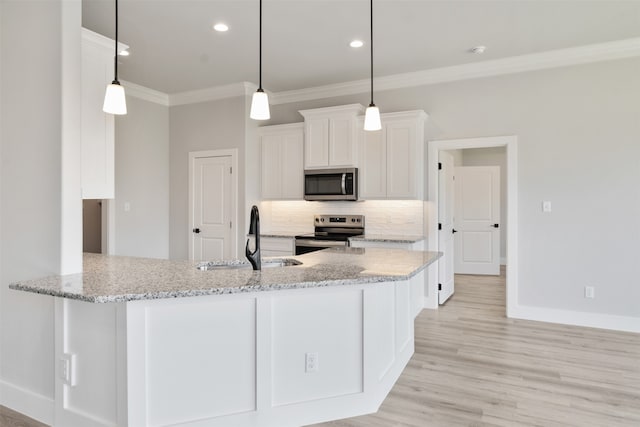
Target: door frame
x=511, y=144
x=233, y=153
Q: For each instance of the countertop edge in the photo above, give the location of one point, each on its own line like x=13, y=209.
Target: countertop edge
x=221, y=291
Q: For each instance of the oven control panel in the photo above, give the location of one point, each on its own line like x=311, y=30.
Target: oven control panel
x=349, y=221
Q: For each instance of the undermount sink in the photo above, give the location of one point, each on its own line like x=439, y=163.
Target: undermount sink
x=212, y=265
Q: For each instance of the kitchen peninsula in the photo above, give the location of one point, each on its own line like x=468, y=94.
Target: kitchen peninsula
x=147, y=342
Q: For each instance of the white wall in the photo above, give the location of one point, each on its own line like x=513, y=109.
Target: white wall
x=578, y=130
x=142, y=180
x=30, y=194
x=198, y=127
x=494, y=156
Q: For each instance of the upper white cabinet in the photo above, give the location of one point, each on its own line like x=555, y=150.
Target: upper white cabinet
x=331, y=136
x=392, y=159
x=282, y=170
x=97, y=127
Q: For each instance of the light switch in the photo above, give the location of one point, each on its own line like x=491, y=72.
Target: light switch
x=127, y=206
x=546, y=206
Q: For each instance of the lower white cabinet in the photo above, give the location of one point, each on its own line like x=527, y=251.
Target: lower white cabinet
x=392, y=159
x=277, y=246
x=282, y=161
x=409, y=246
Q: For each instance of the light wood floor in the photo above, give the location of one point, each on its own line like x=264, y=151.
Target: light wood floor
x=9, y=418
x=474, y=367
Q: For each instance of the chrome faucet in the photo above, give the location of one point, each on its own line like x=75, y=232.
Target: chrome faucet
x=254, y=229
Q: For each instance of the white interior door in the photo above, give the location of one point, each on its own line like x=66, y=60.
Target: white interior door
x=211, y=225
x=445, y=225
x=477, y=219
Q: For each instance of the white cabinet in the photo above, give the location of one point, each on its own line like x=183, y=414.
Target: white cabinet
x=277, y=246
x=409, y=246
x=392, y=159
x=281, y=153
x=331, y=136
x=97, y=127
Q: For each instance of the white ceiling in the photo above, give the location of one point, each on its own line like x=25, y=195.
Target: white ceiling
x=305, y=42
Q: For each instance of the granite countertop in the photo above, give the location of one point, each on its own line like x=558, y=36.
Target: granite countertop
x=115, y=279
x=387, y=238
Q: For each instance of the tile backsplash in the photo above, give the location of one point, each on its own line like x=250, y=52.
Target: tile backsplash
x=398, y=217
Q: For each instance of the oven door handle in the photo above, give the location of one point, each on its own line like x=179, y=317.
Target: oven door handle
x=319, y=243
x=344, y=183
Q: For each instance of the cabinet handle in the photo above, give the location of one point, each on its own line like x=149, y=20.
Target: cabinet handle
x=196, y=230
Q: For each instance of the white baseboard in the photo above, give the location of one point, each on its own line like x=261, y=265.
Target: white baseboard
x=577, y=318
x=33, y=405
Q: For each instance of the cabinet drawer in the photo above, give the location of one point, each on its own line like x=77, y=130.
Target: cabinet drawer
x=283, y=245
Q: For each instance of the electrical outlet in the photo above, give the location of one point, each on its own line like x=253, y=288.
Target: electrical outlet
x=311, y=362
x=546, y=206
x=589, y=292
x=68, y=369
x=127, y=206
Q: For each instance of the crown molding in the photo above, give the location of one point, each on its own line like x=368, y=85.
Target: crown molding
x=213, y=93
x=145, y=93
x=101, y=41
x=620, y=49
x=516, y=64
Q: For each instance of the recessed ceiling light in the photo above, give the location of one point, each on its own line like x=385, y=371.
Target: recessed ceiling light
x=356, y=43
x=221, y=27
x=478, y=50
x=123, y=52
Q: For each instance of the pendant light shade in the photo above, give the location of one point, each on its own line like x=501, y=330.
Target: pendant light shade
x=372, y=115
x=115, y=101
x=260, y=100
x=260, y=106
x=372, y=118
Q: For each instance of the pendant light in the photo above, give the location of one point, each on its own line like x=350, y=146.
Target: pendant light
x=260, y=100
x=372, y=115
x=114, y=99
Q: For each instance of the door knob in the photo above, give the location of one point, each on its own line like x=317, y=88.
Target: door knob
x=496, y=225
x=196, y=230
x=453, y=230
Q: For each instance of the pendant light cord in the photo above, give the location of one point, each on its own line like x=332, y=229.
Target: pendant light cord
x=260, y=51
x=115, y=56
x=371, y=33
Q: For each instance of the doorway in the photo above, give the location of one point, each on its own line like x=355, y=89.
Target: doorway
x=434, y=150
x=92, y=226
x=213, y=189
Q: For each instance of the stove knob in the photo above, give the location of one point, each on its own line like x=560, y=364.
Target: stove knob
x=321, y=219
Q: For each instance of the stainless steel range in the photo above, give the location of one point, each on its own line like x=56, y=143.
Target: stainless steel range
x=330, y=231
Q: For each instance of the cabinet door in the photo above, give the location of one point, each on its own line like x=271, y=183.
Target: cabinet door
x=401, y=160
x=316, y=143
x=292, y=174
x=97, y=127
x=342, y=142
x=271, y=167
x=373, y=164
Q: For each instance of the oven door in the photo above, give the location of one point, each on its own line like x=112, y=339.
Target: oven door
x=304, y=246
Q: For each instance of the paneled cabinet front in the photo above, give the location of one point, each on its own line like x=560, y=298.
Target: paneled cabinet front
x=392, y=159
x=331, y=136
x=97, y=127
x=282, y=170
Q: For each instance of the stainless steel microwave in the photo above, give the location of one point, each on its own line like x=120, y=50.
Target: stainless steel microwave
x=331, y=184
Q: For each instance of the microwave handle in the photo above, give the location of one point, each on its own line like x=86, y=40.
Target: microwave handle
x=344, y=183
